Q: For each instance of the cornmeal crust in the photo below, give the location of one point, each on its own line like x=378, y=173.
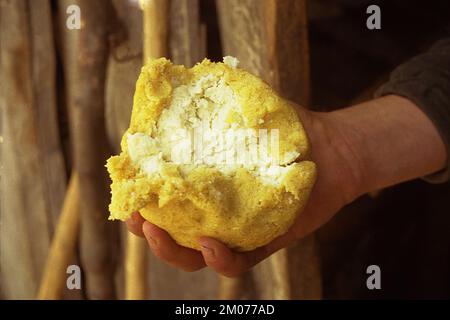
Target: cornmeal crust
x=241, y=207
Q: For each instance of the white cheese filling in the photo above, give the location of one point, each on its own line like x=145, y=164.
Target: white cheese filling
x=204, y=126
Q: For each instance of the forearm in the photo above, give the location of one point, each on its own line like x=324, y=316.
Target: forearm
x=390, y=140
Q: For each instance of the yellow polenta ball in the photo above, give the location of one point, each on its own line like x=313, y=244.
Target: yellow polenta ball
x=211, y=151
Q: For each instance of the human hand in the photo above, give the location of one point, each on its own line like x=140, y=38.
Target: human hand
x=336, y=185
x=369, y=146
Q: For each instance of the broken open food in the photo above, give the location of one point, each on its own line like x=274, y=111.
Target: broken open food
x=211, y=151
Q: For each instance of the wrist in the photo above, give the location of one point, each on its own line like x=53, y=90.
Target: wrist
x=340, y=168
x=351, y=164
x=386, y=141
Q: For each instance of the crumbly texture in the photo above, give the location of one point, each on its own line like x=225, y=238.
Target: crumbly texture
x=245, y=205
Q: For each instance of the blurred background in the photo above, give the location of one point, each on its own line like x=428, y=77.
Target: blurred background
x=66, y=97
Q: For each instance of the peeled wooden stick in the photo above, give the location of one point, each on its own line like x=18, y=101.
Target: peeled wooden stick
x=155, y=45
x=155, y=14
x=280, y=265
x=136, y=272
x=63, y=245
x=230, y=288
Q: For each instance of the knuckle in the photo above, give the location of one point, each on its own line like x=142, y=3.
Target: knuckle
x=131, y=224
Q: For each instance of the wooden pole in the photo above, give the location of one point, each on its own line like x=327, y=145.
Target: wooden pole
x=32, y=173
x=63, y=245
x=155, y=13
x=155, y=20
x=136, y=268
x=187, y=39
x=269, y=38
x=85, y=53
x=230, y=288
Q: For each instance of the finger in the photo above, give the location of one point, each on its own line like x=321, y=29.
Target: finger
x=227, y=262
x=165, y=248
x=231, y=264
x=134, y=224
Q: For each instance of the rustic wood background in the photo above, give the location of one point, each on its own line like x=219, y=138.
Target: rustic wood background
x=66, y=98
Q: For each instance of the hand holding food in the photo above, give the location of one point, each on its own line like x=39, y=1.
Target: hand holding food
x=211, y=151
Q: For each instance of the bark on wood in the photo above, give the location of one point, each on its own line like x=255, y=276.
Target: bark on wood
x=33, y=178
x=63, y=245
x=124, y=66
x=269, y=42
x=187, y=38
x=273, y=45
x=85, y=54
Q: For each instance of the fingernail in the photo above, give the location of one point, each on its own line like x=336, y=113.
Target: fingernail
x=146, y=230
x=152, y=241
x=208, y=251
